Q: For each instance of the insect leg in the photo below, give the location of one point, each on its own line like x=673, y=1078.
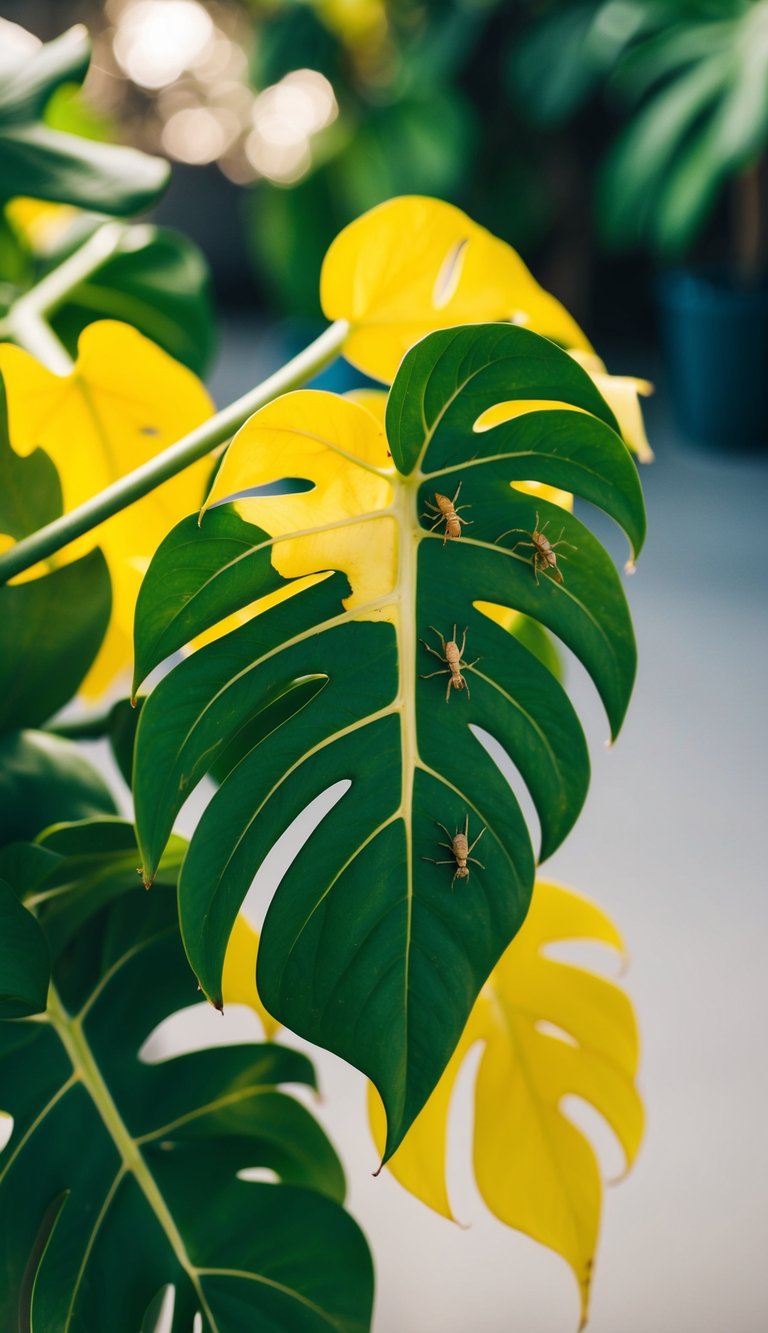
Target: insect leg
x=456, y=496
x=475, y=862
x=436, y=673
x=477, y=839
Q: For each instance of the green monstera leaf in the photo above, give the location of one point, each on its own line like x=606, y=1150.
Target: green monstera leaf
x=368, y=947
x=47, y=164
x=123, y=1175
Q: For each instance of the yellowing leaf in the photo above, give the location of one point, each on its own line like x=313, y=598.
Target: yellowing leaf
x=622, y=393
x=415, y=264
x=239, y=976
x=341, y=447
x=124, y=401
x=534, y=1169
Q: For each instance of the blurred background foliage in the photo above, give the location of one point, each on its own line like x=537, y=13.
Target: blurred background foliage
x=597, y=136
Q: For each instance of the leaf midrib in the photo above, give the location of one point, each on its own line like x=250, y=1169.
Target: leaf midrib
x=73, y=1039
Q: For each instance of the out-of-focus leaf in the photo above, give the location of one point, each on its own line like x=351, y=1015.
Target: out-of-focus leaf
x=43, y=780
x=416, y=264
x=547, y=1030
x=633, y=174
x=30, y=490
x=51, y=627
x=24, y=959
x=160, y=284
x=124, y=401
x=46, y=164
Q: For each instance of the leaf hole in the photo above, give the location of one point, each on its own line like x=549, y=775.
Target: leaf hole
x=500, y=413
x=548, y=1029
x=511, y=773
x=6, y=1129
x=449, y=275
x=283, y=486
x=161, y=1311
x=284, y=851
x=259, y=1174
x=591, y=955
x=605, y=1144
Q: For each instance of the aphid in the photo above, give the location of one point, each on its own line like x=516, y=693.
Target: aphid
x=544, y=559
x=448, y=514
x=453, y=656
x=460, y=849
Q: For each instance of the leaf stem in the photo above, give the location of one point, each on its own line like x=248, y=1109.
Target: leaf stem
x=199, y=442
x=26, y=323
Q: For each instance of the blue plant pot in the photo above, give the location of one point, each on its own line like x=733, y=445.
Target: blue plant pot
x=714, y=337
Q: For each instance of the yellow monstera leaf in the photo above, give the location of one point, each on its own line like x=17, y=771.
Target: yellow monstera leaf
x=347, y=522
x=415, y=264
x=548, y=1029
x=124, y=401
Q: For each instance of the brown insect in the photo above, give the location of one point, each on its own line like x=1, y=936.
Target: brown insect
x=461, y=851
x=452, y=655
x=448, y=514
x=544, y=558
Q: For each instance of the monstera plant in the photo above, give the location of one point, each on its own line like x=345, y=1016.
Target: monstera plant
x=358, y=611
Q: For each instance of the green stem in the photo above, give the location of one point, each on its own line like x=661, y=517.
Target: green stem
x=26, y=321
x=135, y=485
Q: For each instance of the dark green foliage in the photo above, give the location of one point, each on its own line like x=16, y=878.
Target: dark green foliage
x=366, y=948
x=121, y=1176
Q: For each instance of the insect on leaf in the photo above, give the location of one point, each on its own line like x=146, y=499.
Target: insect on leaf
x=367, y=948
x=534, y=1169
x=117, y=1153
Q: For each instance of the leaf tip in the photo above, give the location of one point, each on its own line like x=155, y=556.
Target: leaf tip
x=630, y=567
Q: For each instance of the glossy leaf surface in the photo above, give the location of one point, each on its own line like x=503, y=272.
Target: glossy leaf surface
x=547, y=1030
x=367, y=948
